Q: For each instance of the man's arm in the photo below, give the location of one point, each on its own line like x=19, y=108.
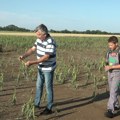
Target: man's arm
x=28, y=53
x=42, y=59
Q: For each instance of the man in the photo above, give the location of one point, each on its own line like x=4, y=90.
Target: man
x=46, y=59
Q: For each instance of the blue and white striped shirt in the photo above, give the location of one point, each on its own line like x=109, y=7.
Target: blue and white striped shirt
x=47, y=46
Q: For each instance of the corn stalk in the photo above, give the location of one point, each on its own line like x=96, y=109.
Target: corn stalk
x=1, y=81
x=14, y=98
x=28, y=110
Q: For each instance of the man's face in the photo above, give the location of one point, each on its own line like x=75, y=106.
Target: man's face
x=40, y=35
x=112, y=46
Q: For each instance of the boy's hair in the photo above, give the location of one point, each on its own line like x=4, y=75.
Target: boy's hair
x=113, y=39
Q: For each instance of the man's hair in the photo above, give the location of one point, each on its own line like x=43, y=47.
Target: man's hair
x=42, y=28
x=113, y=39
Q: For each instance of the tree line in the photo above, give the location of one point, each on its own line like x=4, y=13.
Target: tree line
x=15, y=28
x=83, y=32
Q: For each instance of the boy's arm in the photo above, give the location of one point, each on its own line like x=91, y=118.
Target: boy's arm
x=115, y=67
x=112, y=67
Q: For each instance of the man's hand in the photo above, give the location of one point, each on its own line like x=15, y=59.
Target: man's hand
x=28, y=53
x=28, y=64
x=21, y=58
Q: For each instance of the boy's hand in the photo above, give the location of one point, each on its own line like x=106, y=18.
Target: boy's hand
x=107, y=68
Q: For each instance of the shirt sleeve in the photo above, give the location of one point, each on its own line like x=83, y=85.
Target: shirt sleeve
x=50, y=48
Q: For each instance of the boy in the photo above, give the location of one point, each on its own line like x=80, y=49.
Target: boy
x=113, y=68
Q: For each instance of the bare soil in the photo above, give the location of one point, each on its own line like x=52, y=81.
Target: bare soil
x=69, y=103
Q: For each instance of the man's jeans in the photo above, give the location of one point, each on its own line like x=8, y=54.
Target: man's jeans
x=47, y=78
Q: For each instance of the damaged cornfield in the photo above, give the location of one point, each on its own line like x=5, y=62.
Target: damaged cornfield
x=80, y=72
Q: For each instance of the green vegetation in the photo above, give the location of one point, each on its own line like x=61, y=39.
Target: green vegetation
x=80, y=64
x=14, y=98
x=28, y=110
x=79, y=59
x=1, y=81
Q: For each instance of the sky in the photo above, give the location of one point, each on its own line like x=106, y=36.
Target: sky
x=78, y=15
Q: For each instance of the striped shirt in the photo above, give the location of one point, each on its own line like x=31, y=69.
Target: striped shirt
x=47, y=46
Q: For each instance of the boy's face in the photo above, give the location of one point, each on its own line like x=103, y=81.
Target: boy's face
x=112, y=46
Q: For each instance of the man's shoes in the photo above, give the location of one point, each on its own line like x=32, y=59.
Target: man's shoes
x=117, y=108
x=46, y=111
x=109, y=114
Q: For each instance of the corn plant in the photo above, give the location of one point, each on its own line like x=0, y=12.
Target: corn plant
x=30, y=72
x=24, y=70
x=95, y=86
x=88, y=78
x=88, y=67
x=27, y=72
x=74, y=81
x=14, y=98
x=28, y=110
x=1, y=81
x=60, y=78
x=74, y=77
x=102, y=64
x=18, y=80
x=57, y=71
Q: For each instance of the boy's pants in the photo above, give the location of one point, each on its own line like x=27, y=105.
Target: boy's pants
x=114, y=84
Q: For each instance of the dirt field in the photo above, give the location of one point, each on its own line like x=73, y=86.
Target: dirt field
x=76, y=57
x=69, y=104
